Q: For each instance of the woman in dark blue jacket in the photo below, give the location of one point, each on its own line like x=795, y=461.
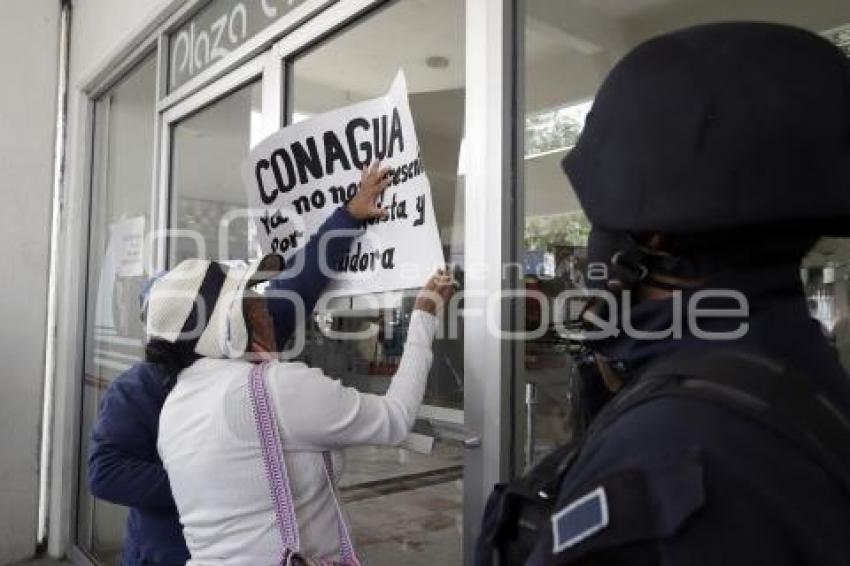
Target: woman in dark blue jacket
x=124, y=467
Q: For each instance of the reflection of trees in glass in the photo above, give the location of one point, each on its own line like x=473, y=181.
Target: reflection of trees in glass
x=554, y=129
x=546, y=232
x=841, y=38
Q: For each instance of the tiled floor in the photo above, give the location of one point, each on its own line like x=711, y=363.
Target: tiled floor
x=403, y=507
x=418, y=527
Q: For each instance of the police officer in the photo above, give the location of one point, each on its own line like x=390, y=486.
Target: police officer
x=712, y=161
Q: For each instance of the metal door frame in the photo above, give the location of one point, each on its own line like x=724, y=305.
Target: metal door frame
x=491, y=239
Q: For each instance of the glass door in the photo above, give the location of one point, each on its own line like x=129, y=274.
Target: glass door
x=405, y=504
x=569, y=46
x=122, y=181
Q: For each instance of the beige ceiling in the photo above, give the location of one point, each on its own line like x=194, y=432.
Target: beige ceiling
x=624, y=9
x=363, y=60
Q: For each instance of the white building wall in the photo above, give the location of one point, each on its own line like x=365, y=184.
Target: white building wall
x=28, y=62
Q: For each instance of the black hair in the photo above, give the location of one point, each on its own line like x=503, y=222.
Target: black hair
x=170, y=357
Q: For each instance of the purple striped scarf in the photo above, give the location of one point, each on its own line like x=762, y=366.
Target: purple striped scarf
x=279, y=486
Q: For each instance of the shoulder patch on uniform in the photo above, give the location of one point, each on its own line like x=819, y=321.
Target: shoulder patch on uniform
x=579, y=520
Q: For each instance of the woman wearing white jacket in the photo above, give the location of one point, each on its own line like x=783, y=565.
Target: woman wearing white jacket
x=212, y=445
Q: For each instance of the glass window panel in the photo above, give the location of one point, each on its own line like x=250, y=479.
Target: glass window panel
x=121, y=192
x=826, y=279
x=395, y=514
x=207, y=150
x=570, y=45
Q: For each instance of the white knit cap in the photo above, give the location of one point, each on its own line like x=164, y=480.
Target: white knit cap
x=200, y=302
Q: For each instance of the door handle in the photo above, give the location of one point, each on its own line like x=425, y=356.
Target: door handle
x=530, y=430
x=456, y=432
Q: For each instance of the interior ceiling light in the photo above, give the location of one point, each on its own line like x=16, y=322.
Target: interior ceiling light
x=437, y=62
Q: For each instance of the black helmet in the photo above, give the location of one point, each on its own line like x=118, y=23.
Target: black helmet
x=721, y=133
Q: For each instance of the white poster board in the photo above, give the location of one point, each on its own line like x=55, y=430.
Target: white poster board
x=297, y=177
x=128, y=236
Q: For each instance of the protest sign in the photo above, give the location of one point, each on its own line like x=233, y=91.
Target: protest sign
x=300, y=175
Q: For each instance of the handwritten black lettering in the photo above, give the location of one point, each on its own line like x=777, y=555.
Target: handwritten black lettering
x=360, y=261
x=278, y=156
x=307, y=159
x=302, y=161
x=420, y=210
x=395, y=133
x=283, y=244
x=273, y=221
x=333, y=153
x=357, y=159
x=266, y=197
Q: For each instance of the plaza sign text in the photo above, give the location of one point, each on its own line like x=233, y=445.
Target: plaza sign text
x=218, y=29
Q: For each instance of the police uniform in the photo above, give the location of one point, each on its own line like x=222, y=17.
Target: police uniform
x=688, y=482
x=733, y=140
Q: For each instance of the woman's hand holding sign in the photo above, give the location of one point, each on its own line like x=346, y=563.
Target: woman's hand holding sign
x=373, y=182
x=436, y=292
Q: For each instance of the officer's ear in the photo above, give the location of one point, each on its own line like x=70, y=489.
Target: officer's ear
x=613, y=381
x=664, y=282
x=656, y=241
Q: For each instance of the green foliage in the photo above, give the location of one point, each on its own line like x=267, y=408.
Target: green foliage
x=555, y=129
x=841, y=37
x=546, y=232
